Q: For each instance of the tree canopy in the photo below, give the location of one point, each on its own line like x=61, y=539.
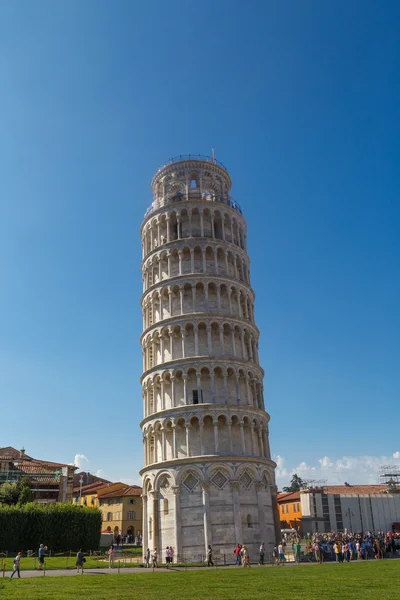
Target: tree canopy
x=296, y=483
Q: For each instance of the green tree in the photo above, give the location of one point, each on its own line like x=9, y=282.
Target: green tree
x=9, y=493
x=296, y=484
x=25, y=494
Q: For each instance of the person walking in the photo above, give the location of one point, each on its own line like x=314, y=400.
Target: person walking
x=275, y=554
x=17, y=566
x=209, y=557
x=167, y=557
x=80, y=559
x=154, y=558
x=171, y=555
x=262, y=553
x=147, y=558
x=41, y=553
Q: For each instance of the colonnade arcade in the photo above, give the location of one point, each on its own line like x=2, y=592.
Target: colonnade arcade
x=203, y=338
x=197, y=297
x=191, y=259
x=202, y=385
x=193, y=222
x=205, y=434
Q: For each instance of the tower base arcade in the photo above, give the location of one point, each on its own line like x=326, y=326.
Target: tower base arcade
x=217, y=502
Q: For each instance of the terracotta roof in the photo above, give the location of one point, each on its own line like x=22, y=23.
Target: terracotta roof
x=10, y=453
x=93, y=487
x=288, y=496
x=355, y=489
x=88, y=478
x=127, y=490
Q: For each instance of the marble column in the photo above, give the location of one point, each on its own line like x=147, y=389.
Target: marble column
x=145, y=525
x=262, y=524
x=205, y=486
x=235, y=486
x=177, y=509
x=154, y=495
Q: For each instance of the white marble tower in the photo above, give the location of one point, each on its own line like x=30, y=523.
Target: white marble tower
x=208, y=476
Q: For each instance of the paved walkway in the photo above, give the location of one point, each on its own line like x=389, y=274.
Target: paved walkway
x=132, y=570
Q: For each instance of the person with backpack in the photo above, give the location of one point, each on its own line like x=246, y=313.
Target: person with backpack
x=17, y=566
x=147, y=558
x=80, y=559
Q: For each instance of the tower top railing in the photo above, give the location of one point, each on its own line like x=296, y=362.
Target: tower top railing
x=200, y=157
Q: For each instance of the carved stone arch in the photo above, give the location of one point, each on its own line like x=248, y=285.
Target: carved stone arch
x=182, y=473
x=209, y=414
x=220, y=474
x=147, y=484
x=161, y=475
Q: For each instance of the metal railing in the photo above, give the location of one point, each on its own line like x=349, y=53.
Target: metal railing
x=16, y=475
x=201, y=157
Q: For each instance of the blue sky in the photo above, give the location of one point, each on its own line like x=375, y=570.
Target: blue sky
x=301, y=102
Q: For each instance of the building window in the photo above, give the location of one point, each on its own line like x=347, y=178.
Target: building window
x=249, y=523
x=150, y=528
x=132, y=500
x=110, y=502
x=117, y=516
x=165, y=506
x=195, y=397
x=109, y=516
x=131, y=515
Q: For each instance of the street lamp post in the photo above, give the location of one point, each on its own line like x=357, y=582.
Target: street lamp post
x=80, y=488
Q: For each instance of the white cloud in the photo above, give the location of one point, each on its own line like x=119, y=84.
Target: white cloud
x=354, y=469
x=99, y=473
x=81, y=461
x=325, y=462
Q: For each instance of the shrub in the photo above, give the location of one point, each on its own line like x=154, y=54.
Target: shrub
x=59, y=526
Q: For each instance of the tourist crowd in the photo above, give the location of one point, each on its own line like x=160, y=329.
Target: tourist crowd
x=347, y=546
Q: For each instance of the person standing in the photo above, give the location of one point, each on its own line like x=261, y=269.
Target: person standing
x=41, y=553
x=297, y=551
x=111, y=556
x=147, y=558
x=238, y=554
x=80, y=559
x=262, y=553
x=281, y=554
x=209, y=557
x=17, y=566
x=275, y=554
x=171, y=555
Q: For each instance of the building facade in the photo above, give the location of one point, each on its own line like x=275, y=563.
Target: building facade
x=290, y=511
x=208, y=476
x=120, y=505
x=356, y=508
x=49, y=481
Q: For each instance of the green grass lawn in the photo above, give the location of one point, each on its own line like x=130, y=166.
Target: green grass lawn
x=360, y=581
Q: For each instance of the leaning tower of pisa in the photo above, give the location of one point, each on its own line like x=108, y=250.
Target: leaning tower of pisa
x=208, y=476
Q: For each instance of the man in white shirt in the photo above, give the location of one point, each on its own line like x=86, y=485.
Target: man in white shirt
x=281, y=554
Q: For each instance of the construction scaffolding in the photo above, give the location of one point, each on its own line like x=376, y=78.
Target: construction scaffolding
x=390, y=475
